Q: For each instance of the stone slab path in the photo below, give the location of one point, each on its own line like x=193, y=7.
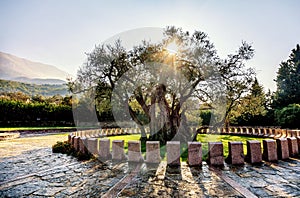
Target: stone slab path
x=28, y=168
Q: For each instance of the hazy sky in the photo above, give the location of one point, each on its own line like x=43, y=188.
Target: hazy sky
x=59, y=32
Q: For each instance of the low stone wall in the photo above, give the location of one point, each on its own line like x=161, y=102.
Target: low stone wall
x=247, y=131
x=273, y=150
x=8, y=136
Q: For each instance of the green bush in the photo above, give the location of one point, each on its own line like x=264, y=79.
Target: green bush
x=63, y=147
x=288, y=117
x=66, y=148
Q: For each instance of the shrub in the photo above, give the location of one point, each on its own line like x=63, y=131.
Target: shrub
x=66, y=148
x=288, y=117
x=63, y=147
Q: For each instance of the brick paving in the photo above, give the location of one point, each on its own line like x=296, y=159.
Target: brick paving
x=28, y=168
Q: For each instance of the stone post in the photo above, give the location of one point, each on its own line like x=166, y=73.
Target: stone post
x=265, y=132
x=173, y=153
x=270, y=151
x=118, y=150
x=236, y=153
x=93, y=145
x=194, y=153
x=294, y=133
x=72, y=140
x=76, y=143
x=293, y=146
x=104, y=149
x=69, y=138
x=247, y=130
x=282, y=148
x=254, y=154
x=284, y=132
x=153, y=152
x=215, y=154
x=256, y=131
x=82, y=146
x=134, y=151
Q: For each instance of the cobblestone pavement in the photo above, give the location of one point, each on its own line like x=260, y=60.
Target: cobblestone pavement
x=37, y=172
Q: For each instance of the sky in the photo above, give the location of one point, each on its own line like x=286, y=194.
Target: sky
x=61, y=32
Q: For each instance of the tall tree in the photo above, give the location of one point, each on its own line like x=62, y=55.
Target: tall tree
x=251, y=108
x=164, y=83
x=288, y=81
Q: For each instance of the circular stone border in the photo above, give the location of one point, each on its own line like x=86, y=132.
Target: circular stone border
x=9, y=136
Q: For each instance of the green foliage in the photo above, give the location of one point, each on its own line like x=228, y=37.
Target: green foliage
x=288, y=81
x=286, y=99
x=205, y=116
x=252, y=108
x=62, y=147
x=32, y=89
x=17, y=109
x=155, y=98
x=288, y=117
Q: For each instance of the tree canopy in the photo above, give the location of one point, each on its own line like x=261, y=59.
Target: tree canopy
x=159, y=89
x=288, y=81
x=252, y=108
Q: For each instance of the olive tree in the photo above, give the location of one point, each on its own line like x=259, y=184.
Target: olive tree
x=159, y=88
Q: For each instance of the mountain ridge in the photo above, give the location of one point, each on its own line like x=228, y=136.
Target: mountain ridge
x=27, y=71
x=7, y=86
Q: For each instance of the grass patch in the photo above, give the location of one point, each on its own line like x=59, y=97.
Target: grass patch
x=127, y=138
x=203, y=138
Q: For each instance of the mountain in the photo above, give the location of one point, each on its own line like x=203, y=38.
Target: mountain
x=32, y=89
x=23, y=70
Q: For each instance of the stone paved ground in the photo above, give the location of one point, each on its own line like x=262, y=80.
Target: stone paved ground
x=28, y=168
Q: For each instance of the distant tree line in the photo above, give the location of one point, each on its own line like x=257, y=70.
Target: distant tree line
x=18, y=109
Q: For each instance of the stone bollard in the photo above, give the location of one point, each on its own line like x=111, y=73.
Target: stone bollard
x=298, y=140
x=215, y=154
x=93, y=134
x=104, y=149
x=80, y=133
x=194, y=153
x=295, y=135
x=118, y=150
x=153, y=152
x=270, y=151
x=69, y=138
x=76, y=143
x=236, y=153
x=93, y=145
x=254, y=154
x=293, y=146
x=82, y=145
x=267, y=132
x=72, y=140
x=134, y=151
x=282, y=148
x=284, y=133
x=173, y=153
